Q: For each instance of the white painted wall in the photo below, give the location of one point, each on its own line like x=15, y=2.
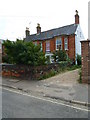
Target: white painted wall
x=78, y=37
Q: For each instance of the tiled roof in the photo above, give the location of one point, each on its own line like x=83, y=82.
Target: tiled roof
x=65, y=30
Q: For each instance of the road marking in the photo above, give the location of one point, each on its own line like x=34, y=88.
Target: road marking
x=25, y=94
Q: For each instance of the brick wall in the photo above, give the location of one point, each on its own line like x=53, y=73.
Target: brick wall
x=44, y=46
x=71, y=46
x=28, y=72
x=52, y=45
x=85, y=47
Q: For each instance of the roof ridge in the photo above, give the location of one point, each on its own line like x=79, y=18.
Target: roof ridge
x=55, y=28
x=64, y=30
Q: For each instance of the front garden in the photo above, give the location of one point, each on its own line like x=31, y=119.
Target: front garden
x=27, y=61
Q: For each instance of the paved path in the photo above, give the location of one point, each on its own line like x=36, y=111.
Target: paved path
x=70, y=77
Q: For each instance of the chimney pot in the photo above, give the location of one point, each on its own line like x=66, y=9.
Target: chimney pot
x=76, y=12
x=27, y=32
x=38, y=28
x=38, y=24
x=76, y=17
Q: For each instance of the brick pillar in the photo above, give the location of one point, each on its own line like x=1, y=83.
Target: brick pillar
x=85, y=47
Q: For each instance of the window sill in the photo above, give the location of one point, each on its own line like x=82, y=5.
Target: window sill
x=58, y=49
x=48, y=51
x=66, y=49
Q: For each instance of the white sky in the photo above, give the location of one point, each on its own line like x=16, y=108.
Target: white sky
x=16, y=15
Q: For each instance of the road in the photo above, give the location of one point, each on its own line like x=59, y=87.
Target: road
x=18, y=105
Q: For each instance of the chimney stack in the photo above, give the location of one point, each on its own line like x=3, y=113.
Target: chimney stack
x=38, y=28
x=76, y=17
x=27, y=32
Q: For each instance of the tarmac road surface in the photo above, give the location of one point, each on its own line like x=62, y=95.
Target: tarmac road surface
x=18, y=105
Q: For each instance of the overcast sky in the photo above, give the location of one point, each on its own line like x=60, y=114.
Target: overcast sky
x=16, y=15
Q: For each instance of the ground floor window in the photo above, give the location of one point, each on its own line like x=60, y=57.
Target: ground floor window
x=49, y=58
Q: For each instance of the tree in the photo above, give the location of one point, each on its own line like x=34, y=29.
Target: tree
x=54, y=56
x=78, y=59
x=59, y=55
x=20, y=52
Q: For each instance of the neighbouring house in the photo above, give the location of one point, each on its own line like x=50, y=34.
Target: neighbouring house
x=0, y=46
x=65, y=38
x=1, y=41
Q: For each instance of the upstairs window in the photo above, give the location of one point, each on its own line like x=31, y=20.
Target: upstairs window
x=47, y=46
x=59, y=44
x=66, y=43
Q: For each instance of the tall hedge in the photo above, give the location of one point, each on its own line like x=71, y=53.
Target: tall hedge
x=20, y=52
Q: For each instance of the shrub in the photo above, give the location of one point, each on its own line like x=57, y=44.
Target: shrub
x=80, y=76
x=20, y=52
x=48, y=59
x=78, y=59
x=48, y=74
x=59, y=55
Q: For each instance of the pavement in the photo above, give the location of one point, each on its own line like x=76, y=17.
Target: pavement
x=64, y=86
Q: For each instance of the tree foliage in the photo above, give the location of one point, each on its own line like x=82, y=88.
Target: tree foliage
x=59, y=55
x=20, y=52
x=78, y=59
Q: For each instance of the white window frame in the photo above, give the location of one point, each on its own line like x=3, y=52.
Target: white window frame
x=65, y=43
x=41, y=46
x=58, y=43
x=48, y=46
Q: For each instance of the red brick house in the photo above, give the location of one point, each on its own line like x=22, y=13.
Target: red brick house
x=66, y=38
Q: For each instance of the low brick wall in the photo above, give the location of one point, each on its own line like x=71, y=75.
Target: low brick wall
x=28, y=72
